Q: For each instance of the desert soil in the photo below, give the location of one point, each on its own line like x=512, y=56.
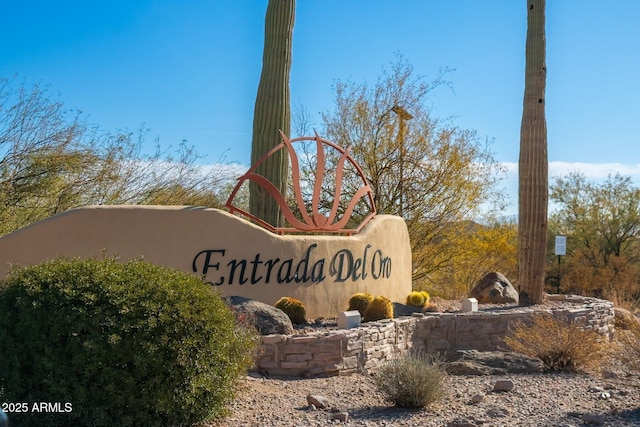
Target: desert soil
x=609, y=399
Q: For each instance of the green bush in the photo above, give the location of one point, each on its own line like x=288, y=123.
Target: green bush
x=418, y=298
x=123, y=344
x=294, y=309
x=379, y=308
x=360, y=301
x=414, y=380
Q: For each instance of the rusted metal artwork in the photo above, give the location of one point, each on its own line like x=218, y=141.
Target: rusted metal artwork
x=314, y=221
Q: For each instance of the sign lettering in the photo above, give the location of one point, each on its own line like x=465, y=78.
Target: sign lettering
x=343, y=266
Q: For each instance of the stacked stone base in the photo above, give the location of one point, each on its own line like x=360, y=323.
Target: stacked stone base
x=343, y=352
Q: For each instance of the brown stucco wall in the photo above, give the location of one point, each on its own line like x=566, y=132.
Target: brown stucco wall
x=376, y=260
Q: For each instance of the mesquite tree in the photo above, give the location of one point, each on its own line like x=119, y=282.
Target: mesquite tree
x=601, y=220
x=533, y=163
x=272, y=109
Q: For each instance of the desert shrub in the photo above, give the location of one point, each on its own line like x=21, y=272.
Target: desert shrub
x=360, y=301
x=379, y=308
x=628, y=345
x=294, y=309
x=125, y=344
x=623, y=319
x=414, y=380
x=418, y=298
x=624, y=300
x=560, y=345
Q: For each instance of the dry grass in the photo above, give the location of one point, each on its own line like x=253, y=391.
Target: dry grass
x=560, y=345
x=628, y=346
x=623, y=300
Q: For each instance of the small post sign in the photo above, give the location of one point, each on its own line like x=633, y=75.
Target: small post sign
x=561, y=249
x=561, y=245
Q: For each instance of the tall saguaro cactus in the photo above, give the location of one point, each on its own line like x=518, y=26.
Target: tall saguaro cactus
x=272, y=109
x=533, y=164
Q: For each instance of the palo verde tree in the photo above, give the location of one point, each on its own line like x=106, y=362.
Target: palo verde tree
x=602, y=223
x=51, y=160
x=432, y=173
x=533, y=163
x=480, y=248
x=272, y=111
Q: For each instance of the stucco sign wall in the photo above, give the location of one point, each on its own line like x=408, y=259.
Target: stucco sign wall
x=231, y=254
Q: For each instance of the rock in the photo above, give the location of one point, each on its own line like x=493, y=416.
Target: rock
x=462, y=423
x=340, y=416
x=494, y=288
x=465, y=367
x=473, y=362
x=318, y=401
x=400, y=310
x=267, y=319
x=441, y=305
x=503, y=385
x=477, y=398
x=498, y=412
x=593, y=419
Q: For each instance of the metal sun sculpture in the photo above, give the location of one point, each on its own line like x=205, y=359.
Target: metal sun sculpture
x=314, y=221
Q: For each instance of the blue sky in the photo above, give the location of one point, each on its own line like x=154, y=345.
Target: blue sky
x=189, y=69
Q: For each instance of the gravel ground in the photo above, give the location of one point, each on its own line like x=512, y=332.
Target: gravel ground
x=609, y=398
x=548, y=400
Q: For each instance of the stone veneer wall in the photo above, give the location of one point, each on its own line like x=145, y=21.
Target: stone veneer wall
x=345, y=351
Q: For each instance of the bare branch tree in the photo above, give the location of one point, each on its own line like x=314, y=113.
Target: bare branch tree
x=51, y=160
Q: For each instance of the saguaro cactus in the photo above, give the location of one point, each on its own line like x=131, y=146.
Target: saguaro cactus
x=272, y=109
x=533, y=164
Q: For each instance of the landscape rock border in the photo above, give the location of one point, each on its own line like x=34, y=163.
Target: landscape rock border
x=330, y=352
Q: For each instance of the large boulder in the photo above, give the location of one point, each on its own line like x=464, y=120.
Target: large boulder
x=473, y=362
x=401, y=310
x=267, y=319
x=494, y=288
